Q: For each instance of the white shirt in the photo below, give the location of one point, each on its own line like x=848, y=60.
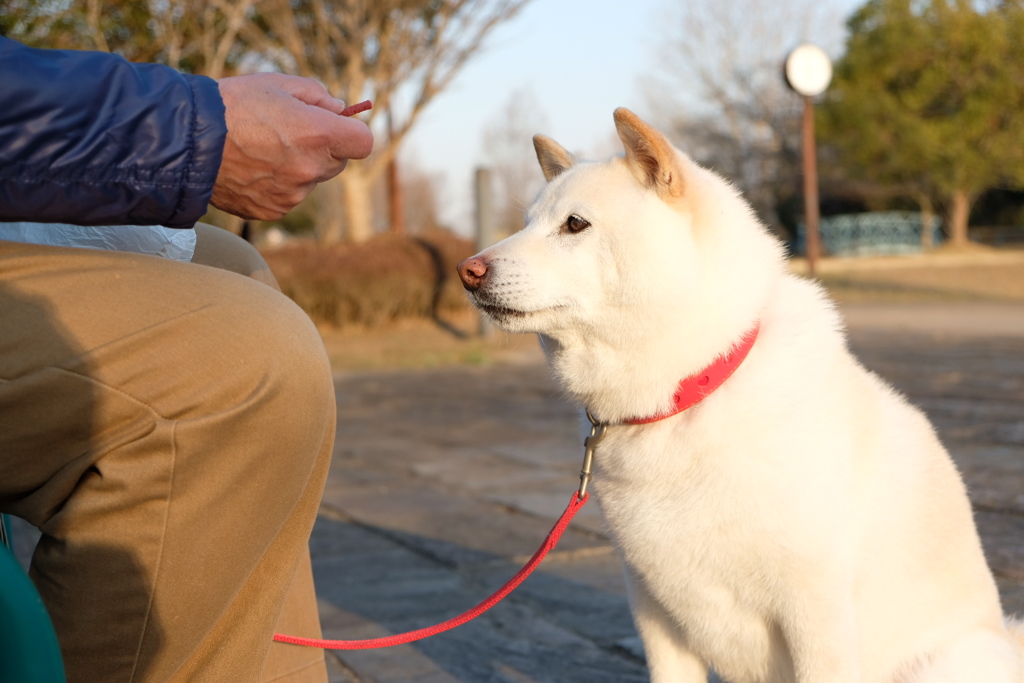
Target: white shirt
x=154, y=240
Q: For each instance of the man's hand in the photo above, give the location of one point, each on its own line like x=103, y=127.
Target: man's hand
x=285, y=135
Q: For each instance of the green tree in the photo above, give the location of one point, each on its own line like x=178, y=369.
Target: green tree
x=928, y=99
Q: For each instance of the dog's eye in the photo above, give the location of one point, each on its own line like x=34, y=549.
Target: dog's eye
x=575, y=224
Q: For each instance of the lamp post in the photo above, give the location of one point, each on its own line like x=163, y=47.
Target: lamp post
x=808, y=72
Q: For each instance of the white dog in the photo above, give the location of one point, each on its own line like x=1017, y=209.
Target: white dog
x=801, y=522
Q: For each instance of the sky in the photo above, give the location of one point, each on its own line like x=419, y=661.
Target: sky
x=580, y=58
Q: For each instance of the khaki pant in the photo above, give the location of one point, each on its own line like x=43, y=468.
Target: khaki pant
x=168, y=427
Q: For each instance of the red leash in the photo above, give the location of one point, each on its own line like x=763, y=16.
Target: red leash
x=549, y=544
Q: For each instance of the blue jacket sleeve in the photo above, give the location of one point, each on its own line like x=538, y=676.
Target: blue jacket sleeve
x=89, y=138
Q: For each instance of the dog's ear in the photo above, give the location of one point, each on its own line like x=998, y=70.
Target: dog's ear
x=553, y=158
x=649, y=155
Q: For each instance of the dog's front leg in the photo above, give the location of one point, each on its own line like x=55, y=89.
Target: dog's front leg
x=669, y=658
x=823, y=640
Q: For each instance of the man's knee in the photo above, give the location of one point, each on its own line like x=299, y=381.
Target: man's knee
x=279, y=357
x=221, y=249
x=256, y=379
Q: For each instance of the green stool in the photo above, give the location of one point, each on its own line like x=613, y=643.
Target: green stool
x=5, y=531
x=28, y=646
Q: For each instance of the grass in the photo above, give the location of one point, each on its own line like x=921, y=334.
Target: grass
x=421, y=343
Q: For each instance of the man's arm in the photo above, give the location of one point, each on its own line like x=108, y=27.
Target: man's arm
x=91, y=139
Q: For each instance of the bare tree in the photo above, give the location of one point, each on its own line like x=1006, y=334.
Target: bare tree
x=721, y=95
x=198, y=36
x=420, y=197
x=509, y=152
x=399, y=53
x=215, y=25
x=422, y=193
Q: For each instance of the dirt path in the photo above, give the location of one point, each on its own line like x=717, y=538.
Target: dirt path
x=978, y=275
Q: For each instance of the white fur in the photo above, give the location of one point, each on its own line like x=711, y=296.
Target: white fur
x=803, y=523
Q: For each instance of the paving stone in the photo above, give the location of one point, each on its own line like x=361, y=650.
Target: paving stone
x=444, y=521
x=516, y=637
x=485, y=472
x=406, y=591
x=994, y=474
x=339, y=672
x=399, y=664
x=550, y=505
x=1002, y=536
x=599, y=568
x=1012, y=594
x=601, y=616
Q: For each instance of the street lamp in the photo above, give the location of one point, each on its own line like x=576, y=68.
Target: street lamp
x=808, y=72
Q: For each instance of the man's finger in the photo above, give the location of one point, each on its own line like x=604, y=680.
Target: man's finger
x=311, y=92
x=348, y=138
x=336, y=168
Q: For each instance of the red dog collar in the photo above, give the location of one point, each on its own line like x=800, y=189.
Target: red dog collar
x=695, y=388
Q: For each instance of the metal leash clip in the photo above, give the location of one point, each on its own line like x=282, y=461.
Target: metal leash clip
x=597, y=432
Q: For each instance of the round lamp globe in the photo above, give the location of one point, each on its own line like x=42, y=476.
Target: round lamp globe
x=808, y=70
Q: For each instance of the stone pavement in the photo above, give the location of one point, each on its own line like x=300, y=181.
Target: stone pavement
x=446, y=480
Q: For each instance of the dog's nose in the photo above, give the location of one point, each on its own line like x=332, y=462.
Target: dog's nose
x=473, y=272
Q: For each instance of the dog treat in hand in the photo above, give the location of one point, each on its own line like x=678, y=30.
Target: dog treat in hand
x=359, y=108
